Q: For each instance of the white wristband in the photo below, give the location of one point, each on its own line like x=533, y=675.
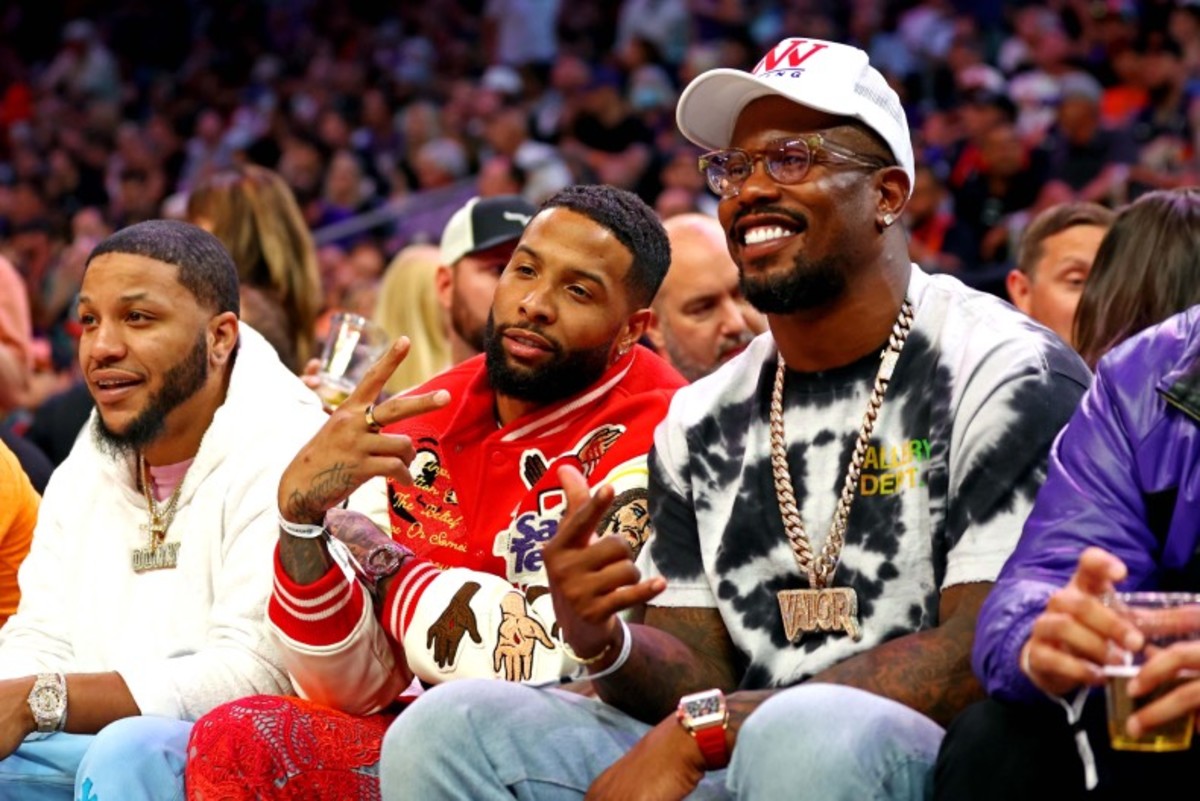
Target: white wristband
x=302, y=530
x=622, y=657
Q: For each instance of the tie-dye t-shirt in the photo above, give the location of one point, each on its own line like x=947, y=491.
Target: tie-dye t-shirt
x=957, y=455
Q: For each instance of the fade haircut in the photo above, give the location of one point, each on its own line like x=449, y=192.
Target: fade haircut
x=633, y=223
x=1055, y=220
x=205, y=268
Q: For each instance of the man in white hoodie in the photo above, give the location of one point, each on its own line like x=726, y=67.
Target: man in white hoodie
x=144, y=594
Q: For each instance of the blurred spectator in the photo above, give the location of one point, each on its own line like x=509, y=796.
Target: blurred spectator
x=16, y=328
x=408, y=306
x=1009, y=179
x=606, y=142
x=936, y=239
x=1145, y=271
x=538, y=167
x=1163, y=131
x=664, y=23
x=254, y=214
x=84, y=69
x=1053, y=263
x=522, y=33
x=1091, y=161
x=58, y=420
x=700, y=318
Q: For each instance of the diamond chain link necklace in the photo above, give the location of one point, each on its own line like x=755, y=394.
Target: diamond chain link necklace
x=820, y=607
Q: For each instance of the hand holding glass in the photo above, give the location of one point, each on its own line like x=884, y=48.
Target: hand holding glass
x=1164, y=619
x=353, y=345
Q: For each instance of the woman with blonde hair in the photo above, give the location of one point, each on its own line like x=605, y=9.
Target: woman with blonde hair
x=408, y=306
x=255, y=215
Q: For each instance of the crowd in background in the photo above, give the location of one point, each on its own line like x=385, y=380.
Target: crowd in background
x=383, y=119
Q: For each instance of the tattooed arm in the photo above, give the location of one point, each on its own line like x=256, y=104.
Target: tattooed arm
x=929, y=671
x=342, y=456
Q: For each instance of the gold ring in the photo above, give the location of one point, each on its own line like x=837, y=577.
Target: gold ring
x=372, y=424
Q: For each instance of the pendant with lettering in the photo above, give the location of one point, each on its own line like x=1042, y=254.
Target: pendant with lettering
x=162, y=557
x=832, y=609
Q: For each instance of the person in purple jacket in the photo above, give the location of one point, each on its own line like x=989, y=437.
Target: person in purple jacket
x=1120, y=509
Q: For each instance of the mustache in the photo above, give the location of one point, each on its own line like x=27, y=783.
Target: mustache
x=799, y=219
x=554, y=344
x=730, y=344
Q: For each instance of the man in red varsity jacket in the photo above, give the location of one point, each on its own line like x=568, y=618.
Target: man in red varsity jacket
x=472, y=457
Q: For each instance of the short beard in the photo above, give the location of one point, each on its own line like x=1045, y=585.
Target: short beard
x=566, y=374
x=691, y=369
x=181, y=382
x=810, y=285
x=464, y=325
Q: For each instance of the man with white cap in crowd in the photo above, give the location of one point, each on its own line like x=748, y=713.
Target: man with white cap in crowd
x=912, y=412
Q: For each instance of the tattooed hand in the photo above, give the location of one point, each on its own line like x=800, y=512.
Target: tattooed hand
x=346, y=451
x=515, y=639
x=447, y=631
x=343, y=455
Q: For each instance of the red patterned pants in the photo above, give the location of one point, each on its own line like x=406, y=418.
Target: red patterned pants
x=271, y=747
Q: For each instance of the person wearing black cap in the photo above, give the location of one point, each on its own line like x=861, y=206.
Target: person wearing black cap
x=829, y=508
x=476, y=244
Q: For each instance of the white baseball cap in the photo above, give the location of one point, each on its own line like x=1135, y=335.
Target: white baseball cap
x=826, y=76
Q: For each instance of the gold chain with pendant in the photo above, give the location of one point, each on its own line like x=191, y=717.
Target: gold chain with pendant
x=821, y=608
x=150, y=557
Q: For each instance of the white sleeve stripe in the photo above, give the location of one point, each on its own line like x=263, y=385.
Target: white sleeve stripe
x=414, y=583
x=320, y=650
x=308, y=602
x=294, y=612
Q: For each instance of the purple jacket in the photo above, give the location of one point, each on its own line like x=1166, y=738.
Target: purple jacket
x=1124, y=475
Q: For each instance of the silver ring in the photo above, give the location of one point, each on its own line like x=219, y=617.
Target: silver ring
x=372, y=424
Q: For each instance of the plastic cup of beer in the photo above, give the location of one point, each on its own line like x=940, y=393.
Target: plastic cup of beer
x=353, y=345
x=1163, y=618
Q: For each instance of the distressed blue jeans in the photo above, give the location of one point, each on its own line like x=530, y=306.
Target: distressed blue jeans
x=133, y=759
x=491, y=740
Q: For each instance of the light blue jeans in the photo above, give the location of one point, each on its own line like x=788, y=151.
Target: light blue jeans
x=491, y=740
x=133, y=759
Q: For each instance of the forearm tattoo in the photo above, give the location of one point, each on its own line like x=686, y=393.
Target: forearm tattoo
x=330, y=487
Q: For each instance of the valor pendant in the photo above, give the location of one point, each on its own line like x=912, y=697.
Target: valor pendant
x=806, y=611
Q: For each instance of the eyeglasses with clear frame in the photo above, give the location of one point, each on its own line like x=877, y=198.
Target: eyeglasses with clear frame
x=787, y=160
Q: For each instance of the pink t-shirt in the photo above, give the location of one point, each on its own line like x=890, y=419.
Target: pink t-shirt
x=165, y=479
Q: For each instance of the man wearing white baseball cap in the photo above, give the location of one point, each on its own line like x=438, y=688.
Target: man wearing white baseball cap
x=830, y=508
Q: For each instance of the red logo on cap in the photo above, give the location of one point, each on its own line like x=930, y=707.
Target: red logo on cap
x=789, y=50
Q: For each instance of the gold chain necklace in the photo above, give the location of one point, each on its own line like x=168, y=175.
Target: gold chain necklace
x=150, y=557
x=822, y=608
